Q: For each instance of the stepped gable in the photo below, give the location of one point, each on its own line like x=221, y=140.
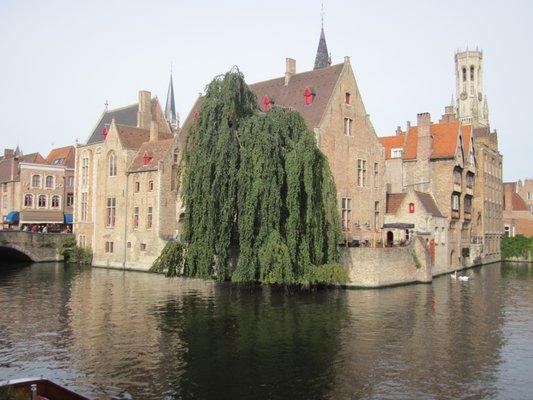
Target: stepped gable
x=394, y=200
x=320, y=81
x=156, y=151
x=62, y=156
x=428, y=202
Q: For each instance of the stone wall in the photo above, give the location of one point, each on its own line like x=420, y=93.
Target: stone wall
x=378, y=267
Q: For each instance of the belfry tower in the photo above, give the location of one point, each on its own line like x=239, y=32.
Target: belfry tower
x=472, y=107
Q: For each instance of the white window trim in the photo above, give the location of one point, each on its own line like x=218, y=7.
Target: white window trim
x=53, y=182
x=51, y=203
x=33, y=204
x=40, y=181
x=46, y=201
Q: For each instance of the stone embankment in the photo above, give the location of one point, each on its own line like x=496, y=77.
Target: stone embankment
x=380, y=267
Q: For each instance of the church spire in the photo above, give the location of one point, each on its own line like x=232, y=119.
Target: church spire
x=170, y=107
x=322, y=59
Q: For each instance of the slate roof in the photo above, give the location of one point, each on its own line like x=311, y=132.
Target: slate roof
x=322, y=59
x=445, y=136
x=157, y=150
x=62, y=156
x=124, y=115
x=428, y=202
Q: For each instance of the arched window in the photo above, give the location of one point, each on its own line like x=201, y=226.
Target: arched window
x=472, y=73
x=55, y=201
x=36, y=181
x=42, y=200
x=49, y=182
x=112, y=160
x=28, y=200
x=464, y=74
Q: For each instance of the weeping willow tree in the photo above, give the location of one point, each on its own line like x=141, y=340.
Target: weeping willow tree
x=259, y=196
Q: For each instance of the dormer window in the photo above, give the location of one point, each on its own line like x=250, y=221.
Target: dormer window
x=105, y=130
x=146, y=159
x=347, y=98
x=266, y=103
x=309, y=96
x=396, y=152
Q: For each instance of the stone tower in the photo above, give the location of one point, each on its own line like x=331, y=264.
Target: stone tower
x=472, y=107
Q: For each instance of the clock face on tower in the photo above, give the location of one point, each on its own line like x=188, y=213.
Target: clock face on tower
x=463, y=96
x=479, y=96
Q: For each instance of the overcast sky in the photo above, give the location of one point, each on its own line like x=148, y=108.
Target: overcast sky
x=61, y=60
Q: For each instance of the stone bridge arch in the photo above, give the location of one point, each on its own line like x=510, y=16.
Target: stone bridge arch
x=36, y=247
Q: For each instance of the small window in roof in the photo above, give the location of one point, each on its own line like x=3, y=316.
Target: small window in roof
x=266, y=103
x=309, y=96
x=146, y=158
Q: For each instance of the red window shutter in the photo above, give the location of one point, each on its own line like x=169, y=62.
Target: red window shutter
x=411, y=208
x=266, y=103
x=146, y=159
x=309, y=96
x=105, y=130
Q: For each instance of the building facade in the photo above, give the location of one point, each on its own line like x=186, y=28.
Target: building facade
x=329, y=100
x=517, y=217
x=126, y=206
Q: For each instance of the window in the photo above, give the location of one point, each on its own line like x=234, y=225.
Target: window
x=49, y=182
x=396, y=152
x=84, y=171
x=70, y=181
x=470, y=180
x=530, y=195
x=376, y=175
x=137, y=186
x=109, y=247
x=81, y=240
x=146, y=158
x=464, y=74
x=348, y=126
x=149, y=217
x=84, y=207
x=42, y=200
x=143, y=246
x=472, y=73
x=112, y=163
x=376, y=214
x=443, y=235
x=70, y=199
x=455, y=202
x=507, y=230
x=457, y=176
x=436, y=236
x=135, y=217
x=28, y=200
x=309, y=96
x=36, y=181
x=347, y=98
x=346, y=210
x=176, y=156
x=128, y=245
x=361, y=173
x=468, y=204
x=55, y=201
x=111, y=212
x=151, y=186
x=411, y=208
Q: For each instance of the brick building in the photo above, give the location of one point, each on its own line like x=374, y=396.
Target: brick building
x=517, y=217
x=126, y=204
x=331, y=104
x=37, y=190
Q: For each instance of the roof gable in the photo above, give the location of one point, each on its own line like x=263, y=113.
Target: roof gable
x=61, y=156
x=156, y=151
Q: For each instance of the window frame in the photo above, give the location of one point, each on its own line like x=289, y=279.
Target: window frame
x=111, y=212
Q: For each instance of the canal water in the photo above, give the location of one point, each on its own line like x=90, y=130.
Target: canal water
x=136, y=335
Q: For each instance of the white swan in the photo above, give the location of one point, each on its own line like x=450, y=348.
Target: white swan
x=461, y=278
x=454, y=275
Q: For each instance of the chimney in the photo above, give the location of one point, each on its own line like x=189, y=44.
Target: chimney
x=290, y=69
x=154, y=131
x=144, y=115
x=449, y=114
x=407, y=126
x=398, y=130
x=9, y=153
x=424, y=146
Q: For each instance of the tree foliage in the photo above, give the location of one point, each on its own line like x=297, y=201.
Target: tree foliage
x=170, y=261
x=518, y=246
x=259, y=196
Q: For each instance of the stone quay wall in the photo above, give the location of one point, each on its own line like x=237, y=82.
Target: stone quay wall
x=380, y=267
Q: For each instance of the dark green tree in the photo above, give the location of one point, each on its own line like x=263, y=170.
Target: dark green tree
x=259, y=196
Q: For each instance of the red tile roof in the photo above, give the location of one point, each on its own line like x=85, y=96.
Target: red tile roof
x=392, y=142
x=62, y=156
x=444, y=134
x=394, y=200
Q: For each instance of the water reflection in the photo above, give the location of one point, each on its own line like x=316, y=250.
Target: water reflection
x=107, y=332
